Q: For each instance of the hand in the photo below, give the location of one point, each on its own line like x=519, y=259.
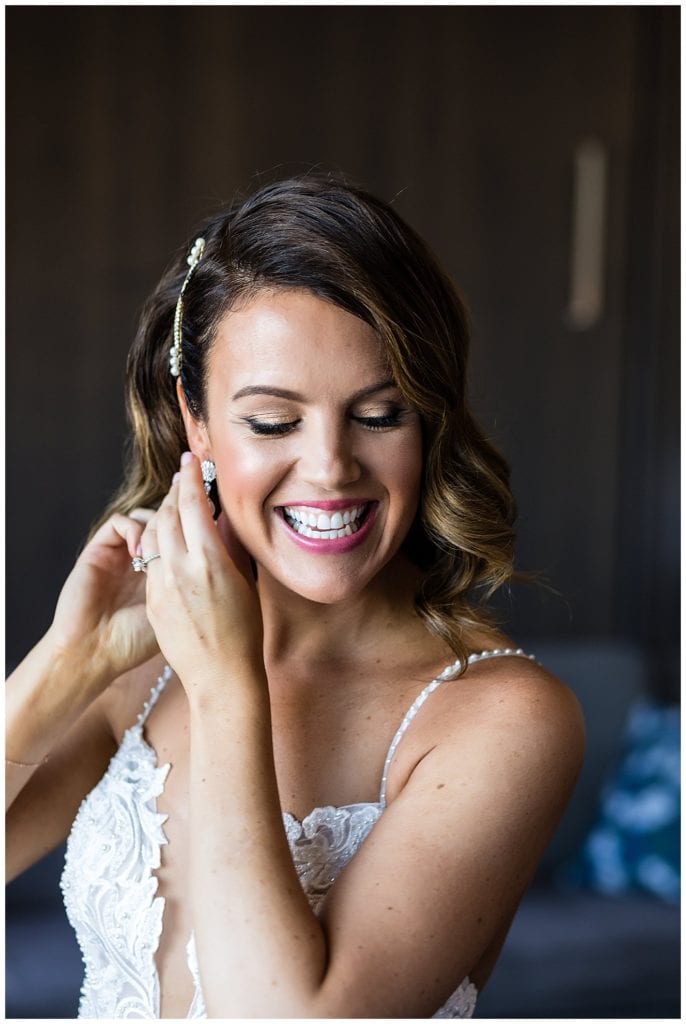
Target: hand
x=100, y=615
x=201, y=597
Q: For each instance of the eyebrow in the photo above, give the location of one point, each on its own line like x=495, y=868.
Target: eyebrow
x=264, y=389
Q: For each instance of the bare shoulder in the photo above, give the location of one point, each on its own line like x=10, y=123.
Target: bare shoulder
x=523, y=696
x=511, y=716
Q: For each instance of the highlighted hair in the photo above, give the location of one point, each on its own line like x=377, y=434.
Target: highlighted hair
x=323, y=234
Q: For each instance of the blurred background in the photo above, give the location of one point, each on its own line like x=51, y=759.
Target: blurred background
x=536, y=149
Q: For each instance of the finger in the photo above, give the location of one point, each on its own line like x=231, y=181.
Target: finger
x=148, y=544
x=170, y=535
x=119, y=530
x=142, y=515
x=196, y=518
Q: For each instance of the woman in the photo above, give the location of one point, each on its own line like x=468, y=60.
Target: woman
x=268, y=825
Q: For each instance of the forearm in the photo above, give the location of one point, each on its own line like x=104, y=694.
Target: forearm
x=43, y=700
x=261, y=949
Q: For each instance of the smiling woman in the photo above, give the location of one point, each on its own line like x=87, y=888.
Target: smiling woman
x=305, y=368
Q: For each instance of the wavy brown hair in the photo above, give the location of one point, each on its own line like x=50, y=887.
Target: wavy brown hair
x=317, y=231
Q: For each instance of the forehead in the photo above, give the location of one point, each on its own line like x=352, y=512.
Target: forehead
x=293, y=338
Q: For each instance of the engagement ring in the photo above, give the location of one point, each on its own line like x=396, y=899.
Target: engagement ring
x=141, y=564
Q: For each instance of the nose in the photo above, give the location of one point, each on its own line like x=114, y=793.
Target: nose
x=328, y=460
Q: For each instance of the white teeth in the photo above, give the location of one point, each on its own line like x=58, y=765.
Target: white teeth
x=346, y=531
x=321, y=526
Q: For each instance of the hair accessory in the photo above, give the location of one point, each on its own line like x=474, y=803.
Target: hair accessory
x=141, y=564
x=209, y=474
x=175, y=355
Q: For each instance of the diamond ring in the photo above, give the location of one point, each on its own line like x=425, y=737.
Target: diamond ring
x=141, y=564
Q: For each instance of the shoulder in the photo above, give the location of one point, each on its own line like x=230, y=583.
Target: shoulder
x=518, y=703
x=512, y=723
x=520, y=691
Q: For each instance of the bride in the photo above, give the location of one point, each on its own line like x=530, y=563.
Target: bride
x=300, y=771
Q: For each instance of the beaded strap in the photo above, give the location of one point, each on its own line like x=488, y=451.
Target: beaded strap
x=448, y=673
x=154, y=695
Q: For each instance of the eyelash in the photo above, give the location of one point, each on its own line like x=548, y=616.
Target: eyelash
x=281, y=429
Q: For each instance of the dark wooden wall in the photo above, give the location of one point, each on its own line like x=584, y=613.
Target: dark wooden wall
x=126, y=125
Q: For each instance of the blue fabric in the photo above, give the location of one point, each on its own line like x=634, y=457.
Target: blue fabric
x=635, y=843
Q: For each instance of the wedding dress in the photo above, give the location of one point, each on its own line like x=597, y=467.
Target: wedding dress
x=114, y=846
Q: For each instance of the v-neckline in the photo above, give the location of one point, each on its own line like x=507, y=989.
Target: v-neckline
x=138, y=731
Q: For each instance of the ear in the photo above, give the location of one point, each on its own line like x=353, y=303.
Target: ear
x=196, y=432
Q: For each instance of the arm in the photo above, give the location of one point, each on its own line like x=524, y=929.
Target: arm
x=422, y=900
x=41, y=705
x=441, y=875
x=57, y=735
x=431, y=887
x=48, y=797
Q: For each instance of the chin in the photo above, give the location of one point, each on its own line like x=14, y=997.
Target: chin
x=328, y=589
x=329, y=594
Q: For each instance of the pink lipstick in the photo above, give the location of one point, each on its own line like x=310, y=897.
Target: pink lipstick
x=337, y=545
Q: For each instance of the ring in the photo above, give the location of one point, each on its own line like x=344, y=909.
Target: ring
x=141, y=564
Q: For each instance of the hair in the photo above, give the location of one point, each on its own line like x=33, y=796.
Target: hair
x=321, y=233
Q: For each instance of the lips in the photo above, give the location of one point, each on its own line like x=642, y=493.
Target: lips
x=332, y=531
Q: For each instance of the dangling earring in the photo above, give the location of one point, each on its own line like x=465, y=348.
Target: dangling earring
x=209, y=474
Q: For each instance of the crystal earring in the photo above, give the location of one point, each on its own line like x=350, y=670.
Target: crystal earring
x=209, y=474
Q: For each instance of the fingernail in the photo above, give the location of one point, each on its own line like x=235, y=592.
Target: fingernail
x=139, y=550
x=176, y=478
x=186, y=458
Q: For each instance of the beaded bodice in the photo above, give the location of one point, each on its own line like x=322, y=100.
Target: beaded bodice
x=114, y=846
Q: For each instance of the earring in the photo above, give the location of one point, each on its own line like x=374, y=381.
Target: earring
x=209, y=474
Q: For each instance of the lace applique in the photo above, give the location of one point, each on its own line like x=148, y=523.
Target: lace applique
x=197, y=1010
x=324, y=841
x=108, y=885
x=462, y=1002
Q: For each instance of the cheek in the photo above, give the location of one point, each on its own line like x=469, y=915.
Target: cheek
x=407, y=465
x=246, y=473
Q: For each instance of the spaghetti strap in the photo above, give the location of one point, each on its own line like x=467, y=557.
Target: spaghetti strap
x=154, y=695
x=448, y=673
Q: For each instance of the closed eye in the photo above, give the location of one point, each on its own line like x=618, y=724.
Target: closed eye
x=266, y=429
x=391, y=419
x=270, y=429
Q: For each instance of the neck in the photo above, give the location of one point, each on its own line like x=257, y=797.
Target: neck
x=300, y=631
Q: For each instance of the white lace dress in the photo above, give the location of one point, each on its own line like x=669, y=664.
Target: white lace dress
x=114, y=847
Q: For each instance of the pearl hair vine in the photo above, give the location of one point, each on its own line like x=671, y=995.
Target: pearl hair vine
x=194, y=258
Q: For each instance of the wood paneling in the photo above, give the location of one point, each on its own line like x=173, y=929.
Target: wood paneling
x=126, y=125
